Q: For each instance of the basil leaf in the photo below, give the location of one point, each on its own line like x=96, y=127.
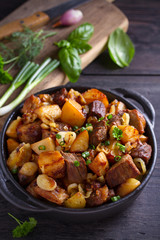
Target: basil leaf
x=121, y=48
x=63, y=43
x=80, y=45
x=83, y=32
x=70, y=63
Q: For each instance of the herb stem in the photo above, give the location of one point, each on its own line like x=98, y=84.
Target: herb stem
x=11, y=60
x=18, y=221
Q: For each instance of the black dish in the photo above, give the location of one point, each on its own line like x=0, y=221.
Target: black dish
x=15, y=194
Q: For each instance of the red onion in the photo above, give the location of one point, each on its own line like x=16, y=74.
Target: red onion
x=70, y=17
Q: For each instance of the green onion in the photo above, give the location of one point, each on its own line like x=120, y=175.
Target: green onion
x=117, y=158
x=42, y=147
x=115, y=198
x=75, y=128
x=121, y=147
x=100, y=119
x=61, y=143
x=92, y=146
x=45, y=68
x=88, y=161
x=106, y=143
x=110, y=116
x=14, y=170
x=117, y=133
x=58, y=136
x=76, y=163
x=82, y=129
x=107, y=122
x=85, y=154
x=88, y=124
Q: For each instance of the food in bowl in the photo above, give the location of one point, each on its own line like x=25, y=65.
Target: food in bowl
x=77, y=149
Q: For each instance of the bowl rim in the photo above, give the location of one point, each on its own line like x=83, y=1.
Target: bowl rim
x=61, y=209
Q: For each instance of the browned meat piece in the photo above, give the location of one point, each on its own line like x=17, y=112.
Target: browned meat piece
x=63, y=127
x=31, y=189
x=111, y=193
x=99, y=133
x=115, y=120
x=97, y=108
x=58, y=195
x=74, y=174
x=46, y=98
x=30, y=104
x=98, y=197
x=45, y=133
x=137, y=120
x=143, y=150
x=121, y=171
x=59, y=96
x=29, y=133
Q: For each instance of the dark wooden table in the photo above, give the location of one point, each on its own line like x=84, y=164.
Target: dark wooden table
x=142, y=219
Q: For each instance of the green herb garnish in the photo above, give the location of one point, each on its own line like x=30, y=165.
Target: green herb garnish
x=109, y=116
x=88, y=161
x=42, y=147
x=121, y=147
x=14, y=170
x=76, y=163
x=92, y=146
x=75, y=128
x=107, y=122
x=61, y=143
x=106, y=143
x=85, y=154
x=100, y=119
x=58, y=136
x=115, y=198
x=121, y=48
x=88, y=124
x=82, y=129
x=117, y=158
x=24, y=227
x=117, y=133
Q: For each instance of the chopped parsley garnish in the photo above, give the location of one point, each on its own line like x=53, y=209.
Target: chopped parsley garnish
x=100, y=119
x=117, y=133
x=58, y=136
x=115, y=198
x=24, y=227
x=92, y=146
x=117, y=158
x=106, y=143
x=121, y=147
x=88, y=124
x=82, y=129
x=88, y=161
x=75, y=128
x=76, y=163
x=110, y=116
x=42, y=147
x=85, y=154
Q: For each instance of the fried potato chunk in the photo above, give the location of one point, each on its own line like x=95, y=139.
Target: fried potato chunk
x=100, y=164
x=76, y=201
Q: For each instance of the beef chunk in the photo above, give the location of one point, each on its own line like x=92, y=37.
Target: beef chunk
x=30, y=104
x=29, y=133
x=99, y=133
x=137, y=120
x=75, y=174
x=97, y=108
x=98, y=197
x=121, y=171
x=143, y=150
x=59, y=96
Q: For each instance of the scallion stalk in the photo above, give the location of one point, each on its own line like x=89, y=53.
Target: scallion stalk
x=45, y=69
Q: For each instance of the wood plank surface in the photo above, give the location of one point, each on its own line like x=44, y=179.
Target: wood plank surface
x=141, y=221
x=93, y=10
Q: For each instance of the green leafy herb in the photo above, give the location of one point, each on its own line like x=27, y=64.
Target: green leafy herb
x=88, y=161
x=42, y=147
x=84, y=32
x=85, y=154
x=109, y=116
x=82, y=129
x=76, y=163
x=115, y=198
x=24, y=227
x=81, y=46
x=121, y=147
x=121, y=48
x=63, y=43
x=117, y=158
x=58, y=136
x=70, y=63
x=117, y=133
x=100, y=119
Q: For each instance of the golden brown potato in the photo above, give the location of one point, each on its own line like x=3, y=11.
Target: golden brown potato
x=129, y=186
x=72, y=113
x=58, y=195
x=27, y=173
x=12, y=129
x=12, y=144
x=81, y=142
x=19, y=156
x=46, y=183
x=52, y=164
x=65, y=140
x=94, y=94
x=76, y=201
x=116, y=106
x=48, y=113
x=143, y=138
x=44, y=145
x=130, y=134
x=100, y=164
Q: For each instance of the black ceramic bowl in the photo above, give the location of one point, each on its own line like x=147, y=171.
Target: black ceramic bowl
x=15, y=194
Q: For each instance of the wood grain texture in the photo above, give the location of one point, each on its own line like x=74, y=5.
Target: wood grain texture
x=101, y=10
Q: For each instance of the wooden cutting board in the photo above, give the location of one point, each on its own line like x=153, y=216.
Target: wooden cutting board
x=103, y=15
